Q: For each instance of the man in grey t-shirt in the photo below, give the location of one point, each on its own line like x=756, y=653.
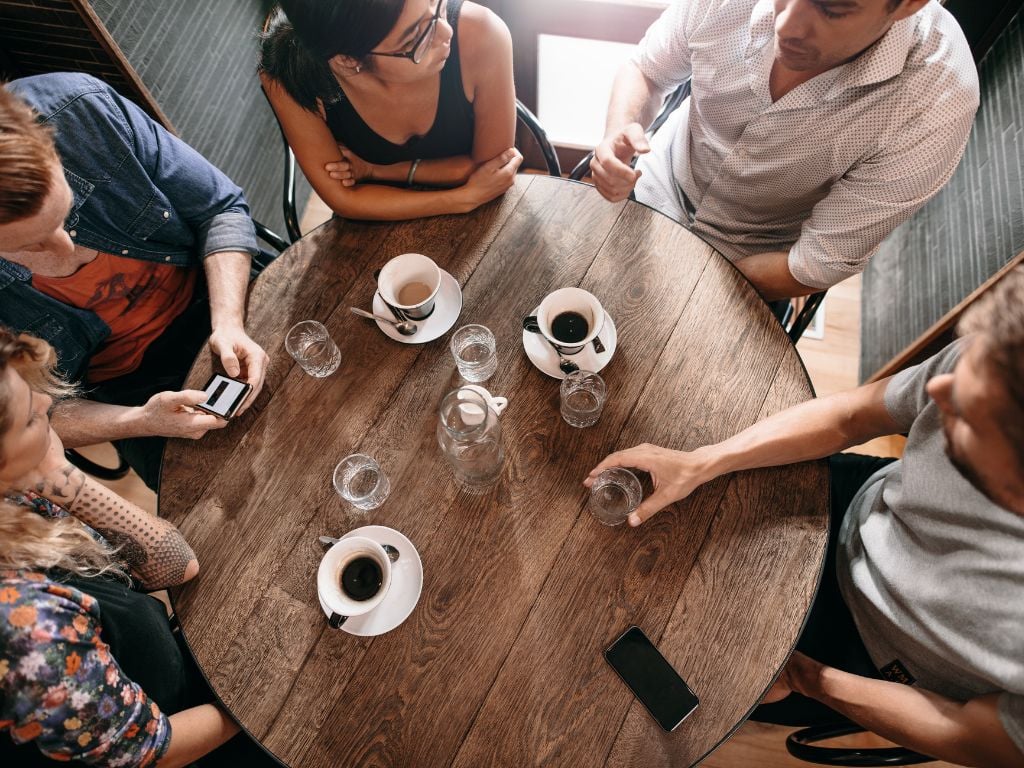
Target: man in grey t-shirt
x=917, y=631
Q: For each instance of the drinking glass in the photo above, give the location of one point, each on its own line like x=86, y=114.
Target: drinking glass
x=475, y=352
x=313, y=348
x=615, y=493
x=361, y=482
x=583, y=395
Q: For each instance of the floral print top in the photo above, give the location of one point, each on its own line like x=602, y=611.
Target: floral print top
x=59, y=685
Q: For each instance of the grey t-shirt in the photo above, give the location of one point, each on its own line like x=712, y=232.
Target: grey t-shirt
x=932, y=571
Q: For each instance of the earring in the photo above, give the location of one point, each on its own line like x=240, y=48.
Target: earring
x=359, y=68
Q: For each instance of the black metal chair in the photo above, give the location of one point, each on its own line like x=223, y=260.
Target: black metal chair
x=802, y=745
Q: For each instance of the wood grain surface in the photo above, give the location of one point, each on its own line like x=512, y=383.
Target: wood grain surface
x=501, y=661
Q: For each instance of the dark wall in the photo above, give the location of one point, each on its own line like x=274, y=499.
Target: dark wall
x=199, y=61
x=968, y=231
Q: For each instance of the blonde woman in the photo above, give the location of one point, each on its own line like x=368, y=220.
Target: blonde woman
x=89, y=668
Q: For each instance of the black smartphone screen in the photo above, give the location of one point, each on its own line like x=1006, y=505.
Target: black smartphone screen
x=653, y=680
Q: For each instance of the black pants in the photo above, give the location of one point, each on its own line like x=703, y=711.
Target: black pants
x=164, y=368
x=136, y=628
x=830, y=635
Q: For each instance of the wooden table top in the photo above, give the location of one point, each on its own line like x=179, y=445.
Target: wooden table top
x=501, y=662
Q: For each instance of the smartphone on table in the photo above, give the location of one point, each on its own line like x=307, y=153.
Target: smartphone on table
x=651, y=678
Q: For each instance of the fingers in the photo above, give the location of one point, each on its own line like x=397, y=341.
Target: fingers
x=194, y=425
x=186, y=397
x=632, y=141
x=635, y=457
x=342, y=171
x=613, y=178
x=256, y=361
x=229, y=360
x=649, y=507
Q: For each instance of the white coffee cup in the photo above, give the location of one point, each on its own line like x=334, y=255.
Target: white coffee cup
x=410, y=283
x=328, y=578
x=575, y=300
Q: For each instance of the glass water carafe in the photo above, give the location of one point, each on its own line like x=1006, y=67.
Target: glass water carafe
x=469, y=433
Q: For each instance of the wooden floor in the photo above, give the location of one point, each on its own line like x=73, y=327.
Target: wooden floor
x=832, y=364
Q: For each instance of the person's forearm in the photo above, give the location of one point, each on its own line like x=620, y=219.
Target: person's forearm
x=966, y=733
x=155, y=552
x=227, y=280
x=85, y=422
x=442, y=172
x=634, y=99
x=196, y=732
x=769, y=272
x=810, y=430
x=376, y=202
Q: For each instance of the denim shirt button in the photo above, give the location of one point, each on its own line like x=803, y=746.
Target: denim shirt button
x=124, y=252
x=73, y=233
x=167, y=258
x=167, y=214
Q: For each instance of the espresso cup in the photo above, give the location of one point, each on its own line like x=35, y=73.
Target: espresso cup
x=409, y=283
x=570, y=318
x=353, y=579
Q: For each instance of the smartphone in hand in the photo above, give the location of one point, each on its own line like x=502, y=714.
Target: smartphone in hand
x=224, y=395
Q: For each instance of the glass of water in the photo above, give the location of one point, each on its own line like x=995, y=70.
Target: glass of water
x=583, y=395
x=615, y=493
x=361, y=482
x=475, y=352
x=313, y=348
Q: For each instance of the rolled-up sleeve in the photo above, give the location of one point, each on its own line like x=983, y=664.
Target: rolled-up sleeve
x=663, y=54
x=212, y=204
x=877, y=195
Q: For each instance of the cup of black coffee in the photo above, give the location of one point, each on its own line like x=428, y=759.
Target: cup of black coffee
x=354, y=577
x=570, y=318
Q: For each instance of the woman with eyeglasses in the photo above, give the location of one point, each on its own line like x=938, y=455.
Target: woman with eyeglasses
x=395, y=109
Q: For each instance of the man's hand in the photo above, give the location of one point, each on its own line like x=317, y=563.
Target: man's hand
x=351, y=169
x=675, y=475
x=793, y=677
x=238, y=353
x=173, y=414
x=612, y=174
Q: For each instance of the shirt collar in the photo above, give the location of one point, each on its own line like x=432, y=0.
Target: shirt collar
x=80, y=191
x=882, y=61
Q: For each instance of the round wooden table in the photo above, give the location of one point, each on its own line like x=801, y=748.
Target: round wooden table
x=501, y=661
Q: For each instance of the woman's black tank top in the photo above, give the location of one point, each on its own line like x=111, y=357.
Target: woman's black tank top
x=449, y=136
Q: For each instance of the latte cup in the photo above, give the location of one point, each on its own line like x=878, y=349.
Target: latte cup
x=410, y=283
x=337, y=579
x=562, y=303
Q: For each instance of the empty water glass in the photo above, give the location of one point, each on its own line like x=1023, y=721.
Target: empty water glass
x=313, y=348
x=614, y=495
x=361, y=482
x=583, y=395
x=475, y=352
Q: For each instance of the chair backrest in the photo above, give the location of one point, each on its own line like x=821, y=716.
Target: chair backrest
x=670, y=105
x=527, y=118
x=801, y=745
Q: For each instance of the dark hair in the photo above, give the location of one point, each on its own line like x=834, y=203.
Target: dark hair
x=301, y=36
x=27, y=157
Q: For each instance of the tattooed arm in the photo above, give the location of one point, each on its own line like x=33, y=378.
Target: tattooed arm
x=155, y=552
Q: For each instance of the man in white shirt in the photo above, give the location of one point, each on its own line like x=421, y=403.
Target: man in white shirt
x=814, y=128
x=915, y=632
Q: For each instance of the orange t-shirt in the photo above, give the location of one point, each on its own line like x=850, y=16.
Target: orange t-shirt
x=137, y=299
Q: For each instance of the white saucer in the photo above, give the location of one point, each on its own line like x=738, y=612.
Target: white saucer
x=447, y=308
x=544, y=356
x=406, y=585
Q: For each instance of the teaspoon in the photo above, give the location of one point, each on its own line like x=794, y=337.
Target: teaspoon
x=404, y=327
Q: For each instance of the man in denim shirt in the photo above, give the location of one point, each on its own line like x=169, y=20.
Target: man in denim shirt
x=105, y=221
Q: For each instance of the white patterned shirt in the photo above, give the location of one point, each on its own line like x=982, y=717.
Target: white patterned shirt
x=826, y=172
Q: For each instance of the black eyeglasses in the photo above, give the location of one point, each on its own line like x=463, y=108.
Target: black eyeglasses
x=422, y=43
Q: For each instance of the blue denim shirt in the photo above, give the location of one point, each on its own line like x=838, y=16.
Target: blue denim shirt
x=139, y=192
